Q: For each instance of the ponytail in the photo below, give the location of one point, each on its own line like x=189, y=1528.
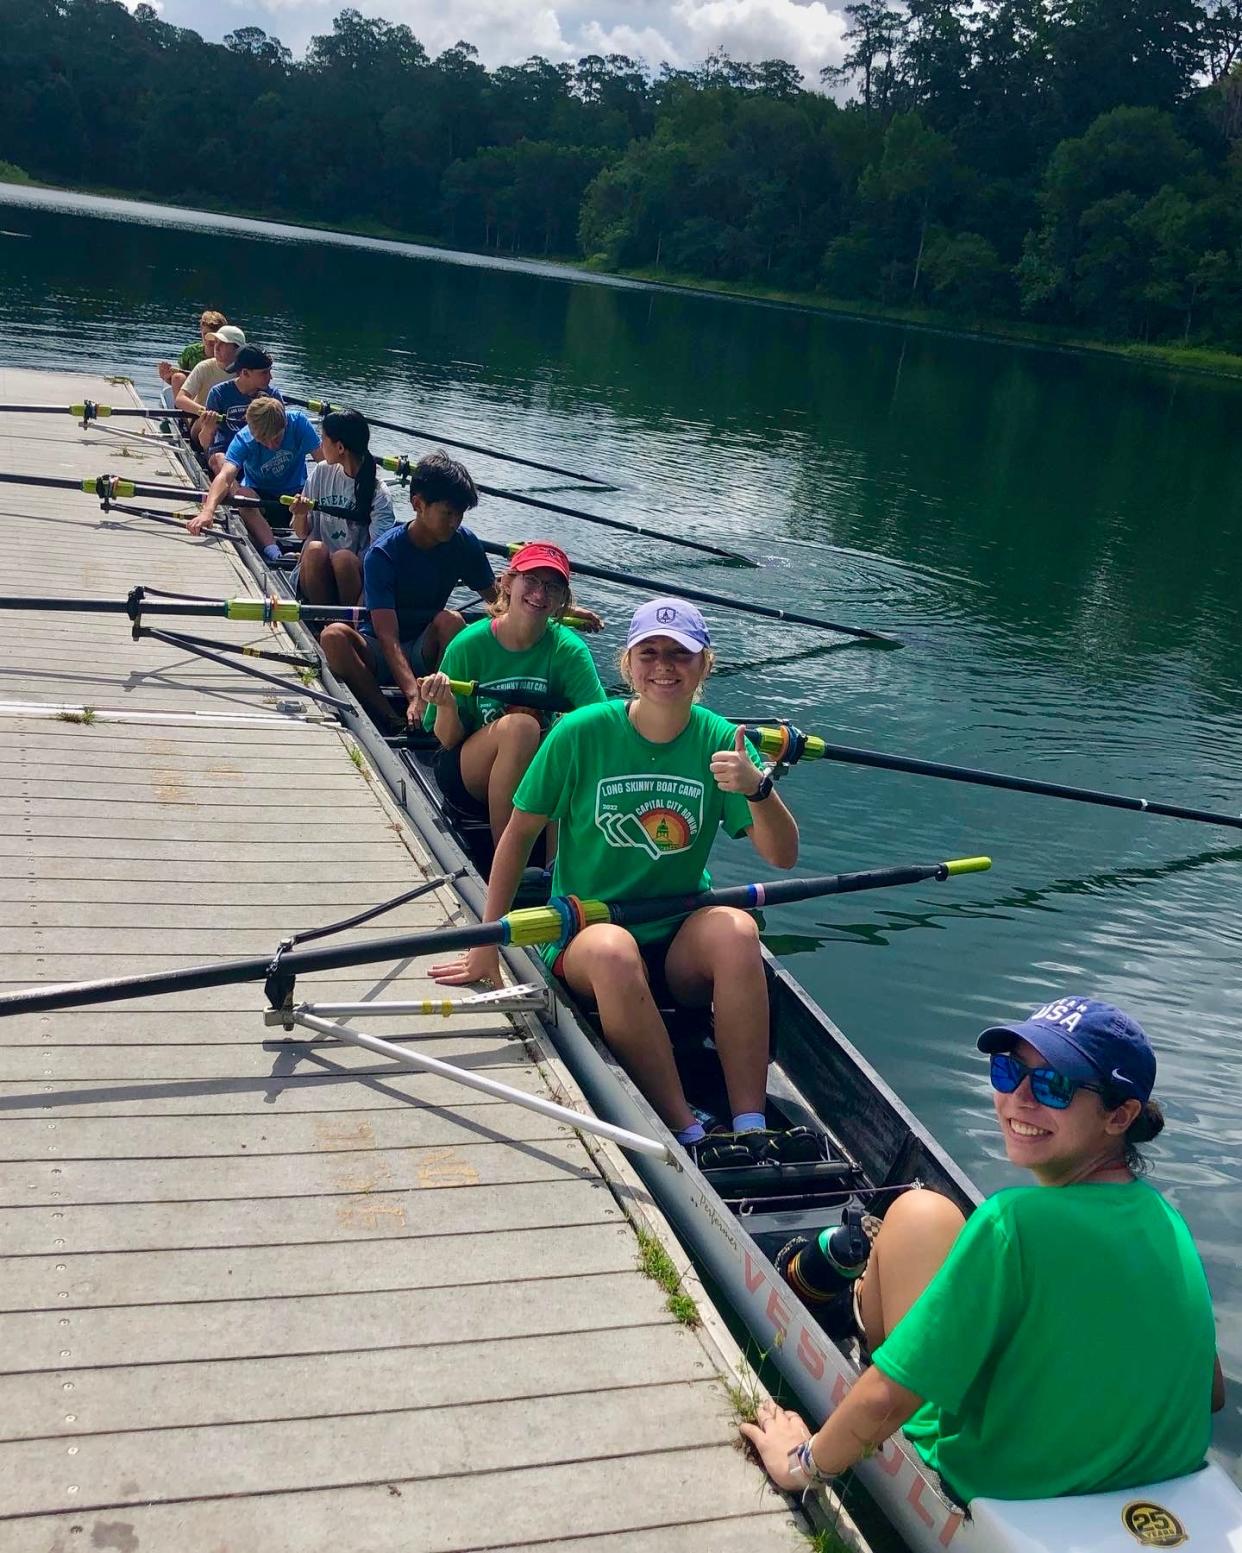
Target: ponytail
x=1146, y=1126
x=351, y=429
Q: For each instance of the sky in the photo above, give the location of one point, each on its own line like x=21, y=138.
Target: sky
x=683, y=32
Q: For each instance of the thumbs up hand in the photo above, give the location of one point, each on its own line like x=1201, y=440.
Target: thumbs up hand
x=734, y=770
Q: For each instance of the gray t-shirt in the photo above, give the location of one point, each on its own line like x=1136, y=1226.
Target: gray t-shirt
x=329, y=483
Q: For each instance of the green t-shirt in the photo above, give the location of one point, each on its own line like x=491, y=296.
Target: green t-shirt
x=1066, y=1346
x=637, y=818
x=191, y=356
x=559, y=664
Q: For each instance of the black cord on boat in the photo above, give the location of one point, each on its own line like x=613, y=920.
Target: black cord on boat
x=425, y=888
x=279, y=986
x=295, y=660
x=143, y=512
x=186, y=598
x=191, y=645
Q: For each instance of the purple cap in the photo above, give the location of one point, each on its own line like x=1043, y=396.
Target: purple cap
x=669, y=617
x=1086, y=1040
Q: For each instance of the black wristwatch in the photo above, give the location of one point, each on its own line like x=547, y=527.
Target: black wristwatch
x=764, y=790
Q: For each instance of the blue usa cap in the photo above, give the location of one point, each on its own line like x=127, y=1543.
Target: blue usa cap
x=669, y=617
x=1086, y=1040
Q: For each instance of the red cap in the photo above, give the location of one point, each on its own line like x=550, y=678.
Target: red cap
x=530, y=558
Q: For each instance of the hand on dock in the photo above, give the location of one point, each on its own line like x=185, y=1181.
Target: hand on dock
x=478, y=965
x=776, y=1432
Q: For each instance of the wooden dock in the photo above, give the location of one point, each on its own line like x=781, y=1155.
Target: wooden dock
x=266, y=1294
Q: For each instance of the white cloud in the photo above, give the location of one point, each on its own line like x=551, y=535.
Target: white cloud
x=683, y=32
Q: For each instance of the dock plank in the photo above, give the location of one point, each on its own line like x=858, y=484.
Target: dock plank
x=586, y=1499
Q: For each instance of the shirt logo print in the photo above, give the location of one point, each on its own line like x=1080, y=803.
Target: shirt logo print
x=660, y=815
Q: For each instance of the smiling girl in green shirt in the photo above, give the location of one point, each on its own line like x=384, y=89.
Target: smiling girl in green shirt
x=641, y=789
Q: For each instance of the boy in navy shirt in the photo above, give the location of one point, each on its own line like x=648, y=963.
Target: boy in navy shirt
x=408, y=575
x=269, y=457
x=226, y=403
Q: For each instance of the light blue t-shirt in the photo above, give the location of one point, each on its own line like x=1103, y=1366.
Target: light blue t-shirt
x=280, y=470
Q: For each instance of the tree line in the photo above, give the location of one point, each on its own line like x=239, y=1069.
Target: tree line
x=1068, y=162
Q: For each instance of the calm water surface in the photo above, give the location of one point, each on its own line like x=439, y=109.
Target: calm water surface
x=1056, y=538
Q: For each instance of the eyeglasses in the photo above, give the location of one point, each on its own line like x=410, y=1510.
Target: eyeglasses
x=550, y=590
x=1048, y=1087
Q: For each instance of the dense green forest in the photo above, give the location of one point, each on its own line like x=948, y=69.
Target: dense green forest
x=1068, y=162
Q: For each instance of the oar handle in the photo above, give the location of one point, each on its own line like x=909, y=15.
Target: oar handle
x=540, y=699
x=350, y=514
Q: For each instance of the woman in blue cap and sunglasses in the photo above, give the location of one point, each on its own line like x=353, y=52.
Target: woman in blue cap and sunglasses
x=641, y=788
x=1060, y=1340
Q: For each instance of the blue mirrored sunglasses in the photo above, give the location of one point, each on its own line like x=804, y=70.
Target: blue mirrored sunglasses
x=1048, y=1087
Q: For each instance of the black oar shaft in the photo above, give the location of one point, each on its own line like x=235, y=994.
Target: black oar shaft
x=681, y=590
x=533, y=925
x=226, y=973
x=783, y=892
x=848, y=755
x=323, y=407
x=106, y=487
x=618, y=523
x=97, y=411
x=250, y=610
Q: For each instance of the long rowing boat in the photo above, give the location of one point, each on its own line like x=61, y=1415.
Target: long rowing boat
x=735, y=1215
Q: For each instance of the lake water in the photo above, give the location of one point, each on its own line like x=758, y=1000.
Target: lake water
x=1056, y=537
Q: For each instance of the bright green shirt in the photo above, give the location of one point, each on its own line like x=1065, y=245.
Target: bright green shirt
x=559, y=664
x=191, y=356
x=1066, y=1346
x=637, y=818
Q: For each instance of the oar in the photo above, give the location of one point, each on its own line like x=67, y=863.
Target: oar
x=322, y=407
x=88, y=410
x=680, y=590
x=109, y=487
x=560, y=918
x=789, y=744
x=265, y=611
x=401, y=466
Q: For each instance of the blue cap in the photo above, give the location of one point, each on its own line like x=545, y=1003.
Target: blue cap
x=1086, y=1040
x=669, y=617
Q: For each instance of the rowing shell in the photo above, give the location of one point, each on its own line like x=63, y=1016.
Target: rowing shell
x=873, y=1143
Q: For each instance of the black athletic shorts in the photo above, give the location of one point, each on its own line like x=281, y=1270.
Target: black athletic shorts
x=447, y=769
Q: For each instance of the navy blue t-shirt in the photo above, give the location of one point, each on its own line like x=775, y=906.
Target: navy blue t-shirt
x=227, y=399
x=396, y=574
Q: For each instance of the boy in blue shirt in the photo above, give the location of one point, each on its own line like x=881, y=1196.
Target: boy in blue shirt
x=269, y=457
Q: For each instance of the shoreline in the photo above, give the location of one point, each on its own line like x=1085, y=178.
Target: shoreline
x=1202, y=361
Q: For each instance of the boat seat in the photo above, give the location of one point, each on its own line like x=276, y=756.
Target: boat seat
x=1202, y=1511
